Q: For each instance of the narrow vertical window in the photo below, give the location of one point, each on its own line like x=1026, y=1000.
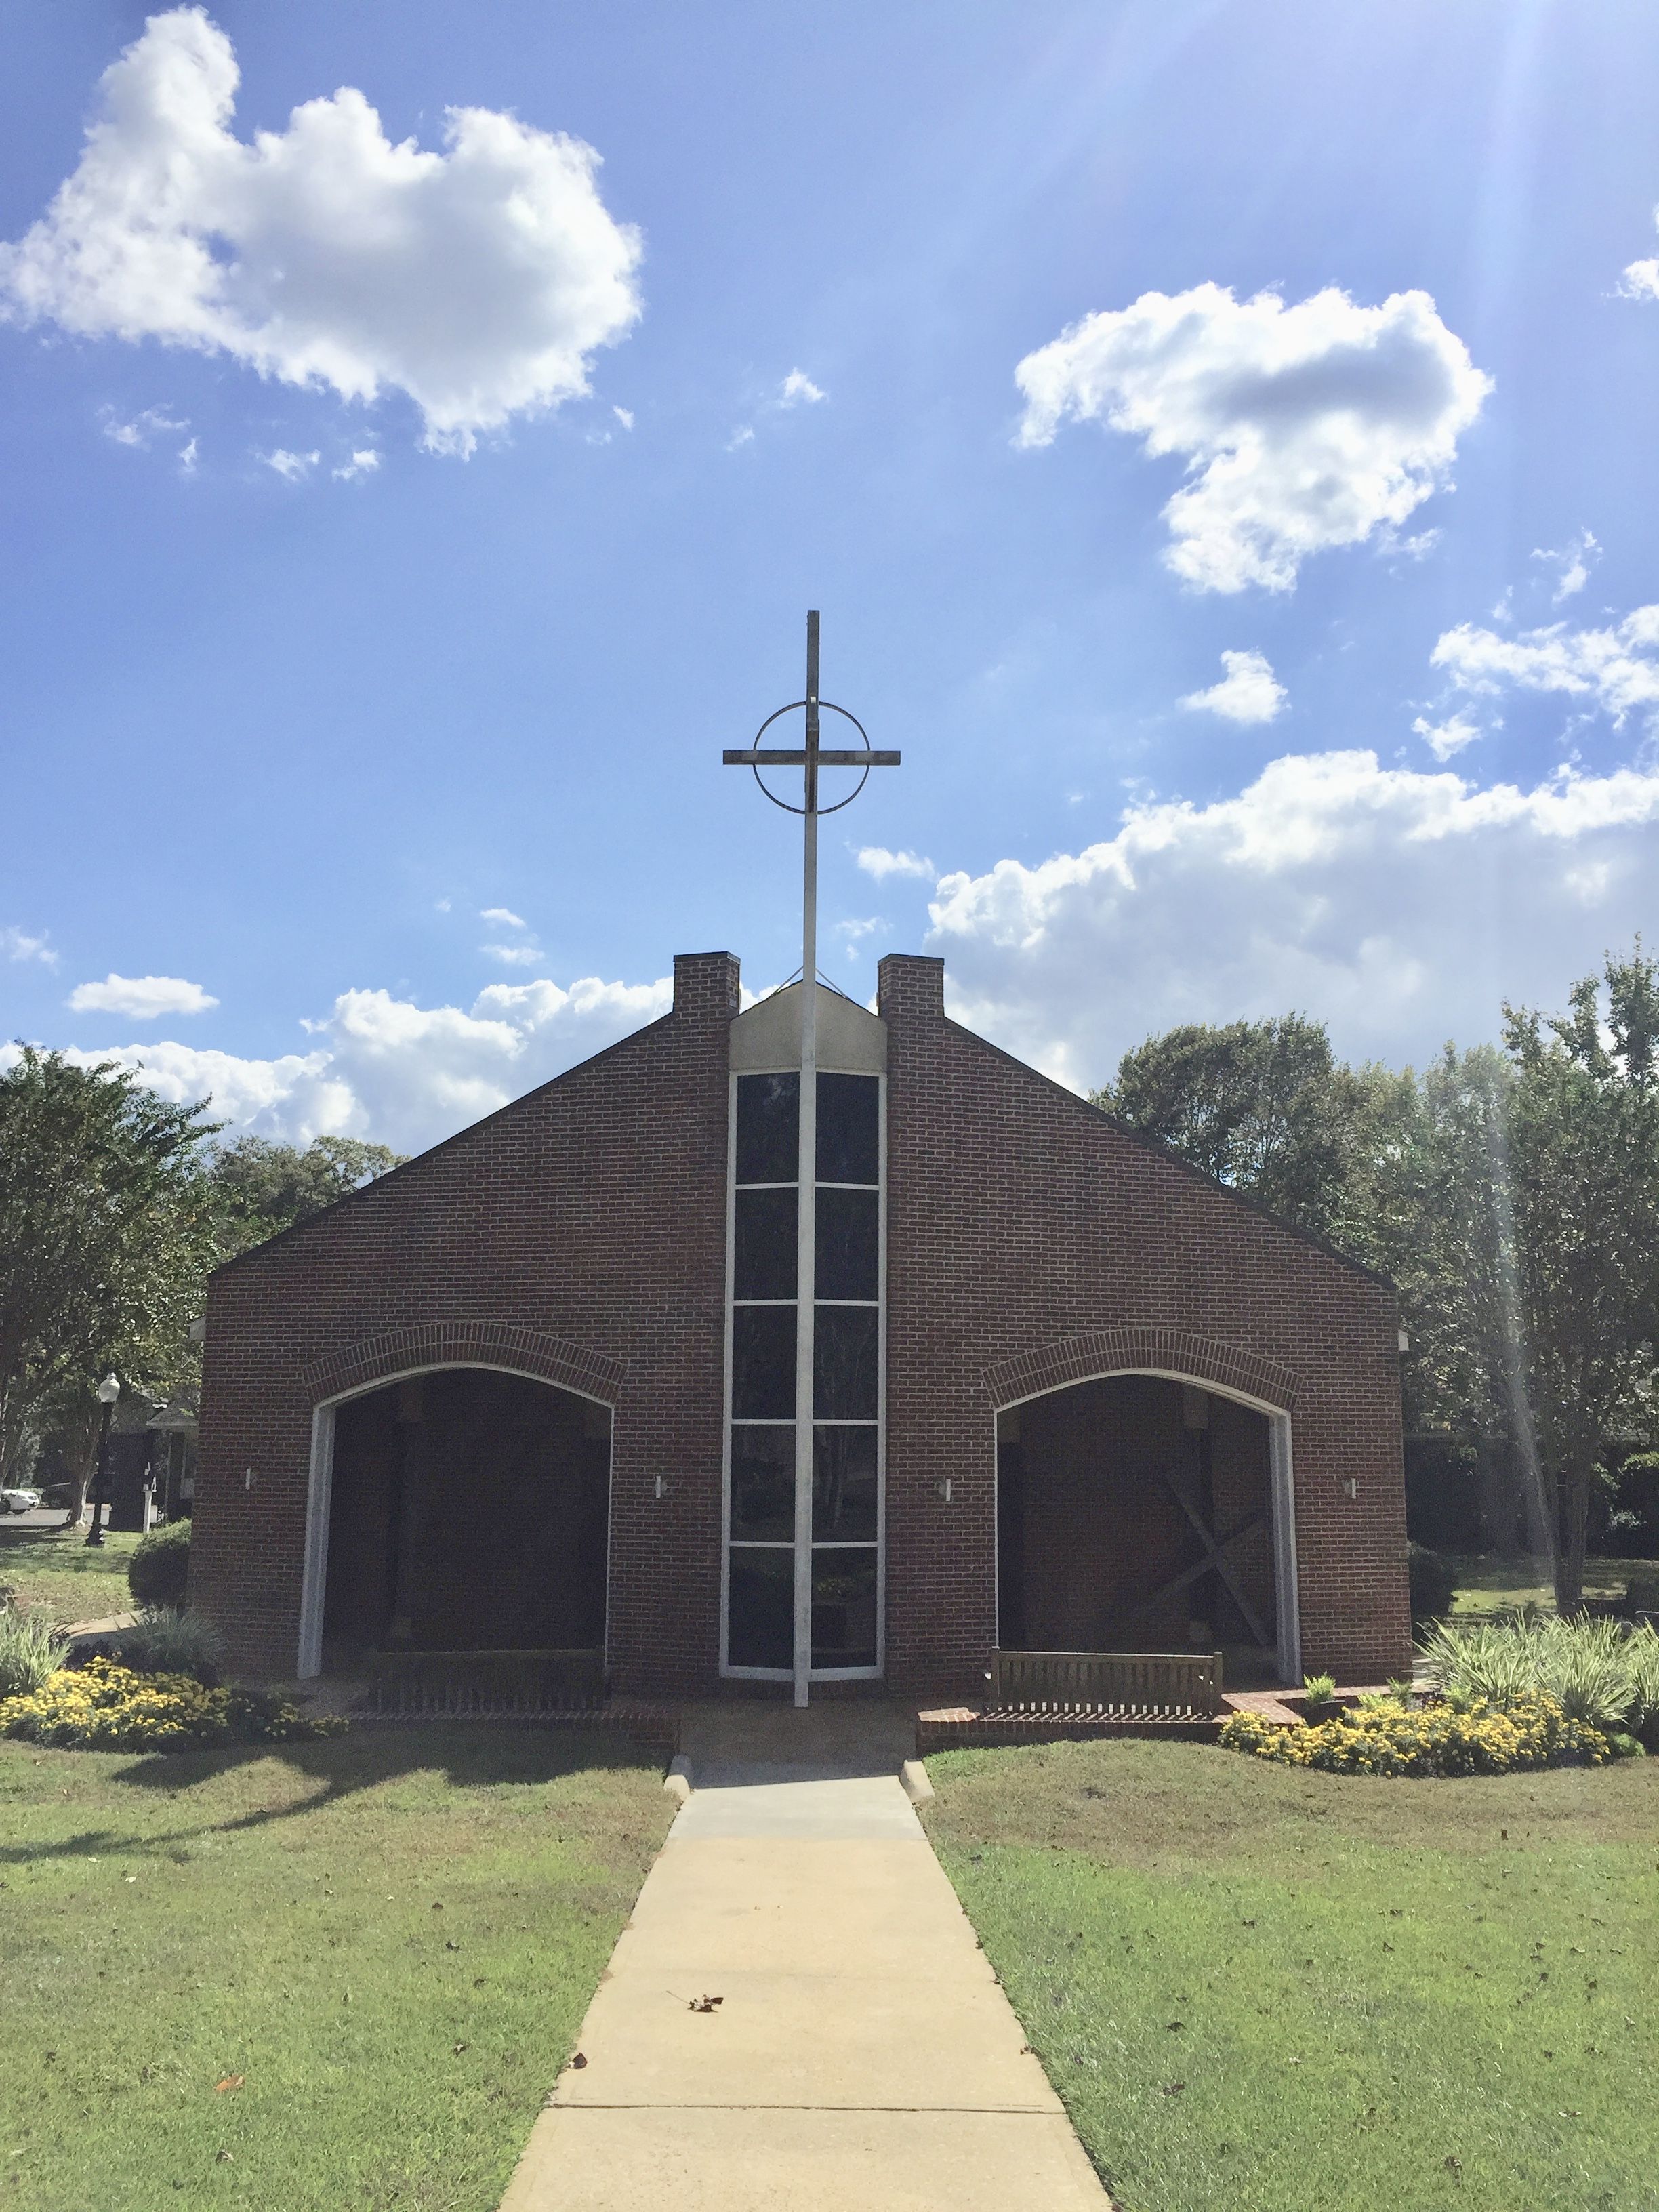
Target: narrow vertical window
x=843, y=1541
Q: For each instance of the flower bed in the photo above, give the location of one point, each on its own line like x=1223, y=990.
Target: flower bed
x=1391, y=1736
x=103, y=1706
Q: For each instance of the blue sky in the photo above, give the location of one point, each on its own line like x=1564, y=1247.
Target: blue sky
x=306, y=734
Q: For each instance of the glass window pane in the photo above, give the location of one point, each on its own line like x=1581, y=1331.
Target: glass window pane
x=769, y=1128
x=843, y=1362
x=761, y=1629
x=764, y=1363
x=843, y=1609
x=763, y=1257
x=843, y=1486
x=849, y=1113
x=763, y=1484
x=847, y=1251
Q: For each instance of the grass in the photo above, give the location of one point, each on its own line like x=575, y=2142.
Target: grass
x=1488, y=1584
x=53, y=1570
x=1267, y=1990
x=315, y=1977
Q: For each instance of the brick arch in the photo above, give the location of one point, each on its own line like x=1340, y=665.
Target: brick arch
x=1112, y=1351
x=464, y=1344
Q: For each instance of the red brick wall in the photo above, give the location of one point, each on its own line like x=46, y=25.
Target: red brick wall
x=579, y=1234
x=1032, y=1242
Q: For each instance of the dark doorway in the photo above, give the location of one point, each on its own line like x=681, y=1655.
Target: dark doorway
x=470, y=1512
x=1135, y=1514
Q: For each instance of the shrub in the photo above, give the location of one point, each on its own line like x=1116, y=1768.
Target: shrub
x=160, y=1563
x=104, y=1707
x=1432, y=1579
x=1600, y=1671
x=162, y=1642
x=31, y=1648
x=1389, y=1737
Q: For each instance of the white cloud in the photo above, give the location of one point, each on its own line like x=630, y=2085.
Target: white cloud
x=149, y=423
x=478, y=281
x=1641, y=278
x=1303, y=428
x=142, y=998
x=1403, y=905
x=796, y=390
x=1574, y=562
x=876, y=860
x=1617, y=668
x=187, y=457
x=1248, y=692
x=624, y=416
x=362, y=464
x=503, y=917
x=293, y=468
x=514, y=956
x=19, y=944
x=405, y=1075
x=1449, y=737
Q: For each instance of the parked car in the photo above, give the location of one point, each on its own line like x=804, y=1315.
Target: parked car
x=58, y=1497
x=20, y=1501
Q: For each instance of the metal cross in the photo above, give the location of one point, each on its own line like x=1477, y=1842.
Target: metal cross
x=809, y=759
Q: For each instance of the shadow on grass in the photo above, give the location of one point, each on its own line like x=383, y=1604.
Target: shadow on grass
x=470, y=1755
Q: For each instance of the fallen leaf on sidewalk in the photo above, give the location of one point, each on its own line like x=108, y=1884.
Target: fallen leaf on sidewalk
x=705, y=2004
x=578, y=2060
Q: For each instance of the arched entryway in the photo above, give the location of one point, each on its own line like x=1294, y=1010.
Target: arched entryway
x=1139, y=1512
x=467, y=1509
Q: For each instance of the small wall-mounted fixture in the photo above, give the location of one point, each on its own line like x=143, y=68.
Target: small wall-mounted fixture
x=1404, y=1339
x=248, y=1478
x=661, y=1487
x=1351, y=1486
x=944, y=1489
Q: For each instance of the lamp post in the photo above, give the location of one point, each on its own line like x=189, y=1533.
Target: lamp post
x=108, y=1391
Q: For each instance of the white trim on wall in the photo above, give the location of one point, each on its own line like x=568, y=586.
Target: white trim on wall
x=1281, y=1491
x=319, y=1492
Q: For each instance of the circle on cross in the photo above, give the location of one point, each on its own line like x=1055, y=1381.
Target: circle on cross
x=824, y=706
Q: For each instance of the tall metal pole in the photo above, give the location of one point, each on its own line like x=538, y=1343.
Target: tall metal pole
x=806, y=1238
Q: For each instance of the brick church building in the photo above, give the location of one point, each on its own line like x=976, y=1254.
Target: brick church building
x=536, y=1390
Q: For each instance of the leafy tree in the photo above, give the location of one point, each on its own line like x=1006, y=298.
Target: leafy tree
x=1577, y=1198
x=105, y=1236
x=262, y=1188
x=1265, y=1107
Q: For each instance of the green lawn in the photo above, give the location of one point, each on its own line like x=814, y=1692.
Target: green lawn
x=54, y=1570
x=1489, y=1584
x=384, y=1943
x=1259, y=1990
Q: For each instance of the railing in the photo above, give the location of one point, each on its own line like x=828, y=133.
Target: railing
x=1115, y=1685
x=486, y=1682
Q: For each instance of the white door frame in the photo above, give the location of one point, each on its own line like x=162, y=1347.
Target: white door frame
x=319, y=1492
x=1281, y=1483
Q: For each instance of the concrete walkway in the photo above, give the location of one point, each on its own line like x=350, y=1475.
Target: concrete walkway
x=861, y=2054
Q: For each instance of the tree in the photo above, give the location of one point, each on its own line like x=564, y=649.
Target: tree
x=1265, y=1107
x=105, y=1236
x=262, y=1188
x=1576, y=1193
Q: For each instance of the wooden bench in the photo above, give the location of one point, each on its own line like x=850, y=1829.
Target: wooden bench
x=1035, y=1697
x=1139, y=1684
